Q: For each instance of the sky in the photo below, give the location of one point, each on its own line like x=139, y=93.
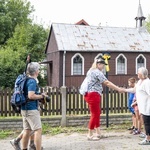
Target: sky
x=115, y=13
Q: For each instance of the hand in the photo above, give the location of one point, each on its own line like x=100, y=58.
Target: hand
x=44, y=94
x=132, y=104
x=121, y=90
x=43, y=99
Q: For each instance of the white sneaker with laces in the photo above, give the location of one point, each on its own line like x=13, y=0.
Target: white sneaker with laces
x=144, y=142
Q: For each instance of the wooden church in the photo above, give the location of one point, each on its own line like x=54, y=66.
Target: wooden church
x=72, y=48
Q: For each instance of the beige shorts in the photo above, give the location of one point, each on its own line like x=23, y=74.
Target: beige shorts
x=31, y=119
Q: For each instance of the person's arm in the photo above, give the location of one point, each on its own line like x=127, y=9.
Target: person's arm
x=32, y=86
x=131, y=90
x=134, y=103
x=112, y=86
x=33, y=96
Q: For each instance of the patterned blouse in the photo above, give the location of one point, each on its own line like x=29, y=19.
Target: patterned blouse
x=95, y=80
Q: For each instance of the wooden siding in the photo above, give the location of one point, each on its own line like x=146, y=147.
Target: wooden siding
x=120, y=80
x=55, y=57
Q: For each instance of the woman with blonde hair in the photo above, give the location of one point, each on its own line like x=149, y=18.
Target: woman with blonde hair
x=96, y=79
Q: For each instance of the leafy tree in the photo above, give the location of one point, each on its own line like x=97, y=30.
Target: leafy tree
x=13, y=12
x=10, y=67
x=148, y=24
x=19, y=36
x=26, y=39
x=32, y=38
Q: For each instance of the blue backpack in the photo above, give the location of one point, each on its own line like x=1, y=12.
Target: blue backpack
x=19, y=98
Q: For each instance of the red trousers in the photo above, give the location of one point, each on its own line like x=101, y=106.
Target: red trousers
x=93, y=99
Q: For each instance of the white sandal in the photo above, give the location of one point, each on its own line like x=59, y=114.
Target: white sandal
x=92, y=138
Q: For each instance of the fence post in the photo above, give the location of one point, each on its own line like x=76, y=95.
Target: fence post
x=63, y=107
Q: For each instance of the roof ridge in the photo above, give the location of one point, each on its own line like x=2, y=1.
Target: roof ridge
x=93, y=26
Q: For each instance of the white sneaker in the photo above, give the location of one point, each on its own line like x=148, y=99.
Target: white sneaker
x=144, y=142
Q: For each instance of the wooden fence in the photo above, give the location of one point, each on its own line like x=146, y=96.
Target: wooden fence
x=75, y=104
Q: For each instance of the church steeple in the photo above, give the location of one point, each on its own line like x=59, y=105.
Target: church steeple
x=140, y=17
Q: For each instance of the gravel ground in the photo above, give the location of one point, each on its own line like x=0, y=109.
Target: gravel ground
x=111, y=140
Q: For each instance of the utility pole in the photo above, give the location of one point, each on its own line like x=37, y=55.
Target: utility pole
x=106, y=57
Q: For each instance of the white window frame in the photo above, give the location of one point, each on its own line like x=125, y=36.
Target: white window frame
x=140, y=55
x=100, y=54
x=125, y=63
x=82, y=63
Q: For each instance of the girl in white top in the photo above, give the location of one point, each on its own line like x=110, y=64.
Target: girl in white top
x=142, y=90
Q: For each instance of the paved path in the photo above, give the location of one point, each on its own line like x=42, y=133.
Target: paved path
x=112, y=140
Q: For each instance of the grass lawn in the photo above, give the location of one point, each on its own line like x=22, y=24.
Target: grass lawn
x=68, y=130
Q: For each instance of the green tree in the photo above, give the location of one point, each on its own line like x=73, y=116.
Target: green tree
x=32, y=38
x=19, y=36
x=11, y=66
x=147, y=24
x=13, y=12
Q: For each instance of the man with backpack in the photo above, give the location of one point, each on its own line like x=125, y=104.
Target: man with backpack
x=29, y=111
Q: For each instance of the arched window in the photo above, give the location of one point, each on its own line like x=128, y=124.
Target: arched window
x=100, y=54
x=77, y=65
x=140, y=62
x=121, y=64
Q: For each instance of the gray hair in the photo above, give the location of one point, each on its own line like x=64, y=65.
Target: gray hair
x=33, y=67
x=143, y=71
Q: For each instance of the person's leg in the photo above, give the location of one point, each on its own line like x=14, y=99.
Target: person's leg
x=146, y=120
x=32, y=145
x=142, y=135
x=95, y=115
x=36, y=126
x=131, y=109
x=98, y=112
x=25, y=138
x=38, y=139
x=139, y=123
x=93, y=100
x=27, y=129
x=16, y=142
x=32, y=137
x=136, y=119
x=135, y=130
x=91, y=121
x=98, y=131
x=19, y=137
x=90, y=130
x=133, y=120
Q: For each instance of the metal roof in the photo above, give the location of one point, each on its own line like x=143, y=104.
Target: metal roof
x=72, y=37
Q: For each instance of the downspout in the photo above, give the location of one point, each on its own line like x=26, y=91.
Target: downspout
x=64, y=66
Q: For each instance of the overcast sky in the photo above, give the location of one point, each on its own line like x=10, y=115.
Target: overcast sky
x=118, y=13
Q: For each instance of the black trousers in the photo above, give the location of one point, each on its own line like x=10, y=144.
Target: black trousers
x=146, y=120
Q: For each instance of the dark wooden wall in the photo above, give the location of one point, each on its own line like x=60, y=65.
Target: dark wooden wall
x=55, y=59
x=120, y=80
